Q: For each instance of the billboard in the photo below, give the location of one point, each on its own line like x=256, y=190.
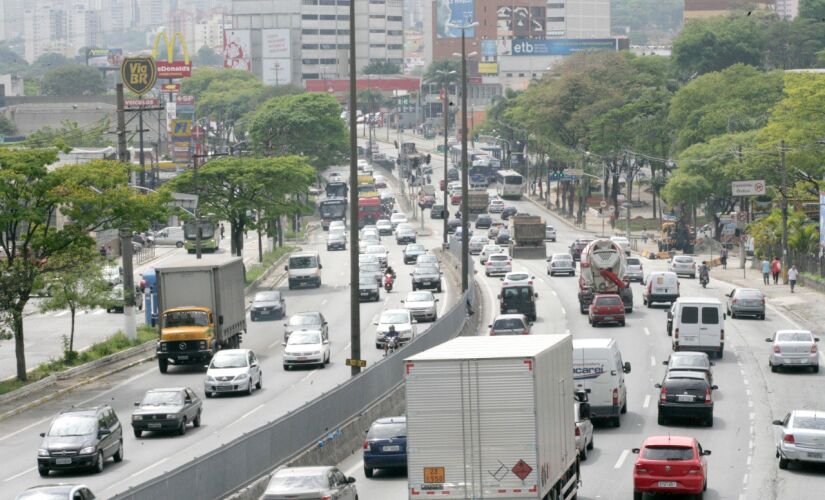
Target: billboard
x=521, y=22
x=237, y=49
x=448, y=12
x=488, y=48
x=105, y=58
x=556, y=47
x=277, y=71
x=487, y=68
x=171, y=68
x=276, y=44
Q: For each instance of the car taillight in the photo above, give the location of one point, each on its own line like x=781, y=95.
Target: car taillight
x=578, y=432
x=695, y=470
x=615, y=396
x=488, y=263
x=788, y=438
x=366, y=445
x=733, y=302
x=722, y=334
x=641, y=469
x=676, y=333
x=326, y=497
x=525, y=331
x=707, y=395
x=777, y=349
x=763, y=301
x=663, y=394
x=813, y=349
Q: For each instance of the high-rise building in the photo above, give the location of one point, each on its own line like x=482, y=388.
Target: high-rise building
x=697, y=9
x=209, y=32
x=11, y=19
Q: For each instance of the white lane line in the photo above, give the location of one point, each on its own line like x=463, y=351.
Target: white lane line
x=354, y=468
x=99, y=311
x=621, y=459
x=647, y=331
x=141, y=471
x=745, y=479
x=61, y=313
x=323, y=301
x=554, y=293
x=18, y=431
x=12, y=478
x=647, y=401
x=125, y=382
x=652, y=361
x=750, y=459
x=563, y=311
x=274, y=344
x=250, y=412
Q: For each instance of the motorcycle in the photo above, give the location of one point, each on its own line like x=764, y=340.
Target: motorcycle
x=391, y=345
x=388, y=279
x=704, y=279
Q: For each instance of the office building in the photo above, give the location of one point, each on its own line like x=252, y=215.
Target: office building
x=698, y=9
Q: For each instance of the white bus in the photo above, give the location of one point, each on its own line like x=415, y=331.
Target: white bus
x=509, y=184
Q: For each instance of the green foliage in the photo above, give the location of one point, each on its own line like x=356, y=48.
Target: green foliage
x=381, y=67
x=72, y=135
x=7, y=127
x=438, y=72
x=812, y=9
x=803, y=235
x=256, y=271
x=73, y=80
x=308, y=125
x=46, y=63
x=372, y=100
x=650, y=22
x=11, y=61
x=207, y=57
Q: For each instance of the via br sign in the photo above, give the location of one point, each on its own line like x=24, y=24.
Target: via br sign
x=138, y=74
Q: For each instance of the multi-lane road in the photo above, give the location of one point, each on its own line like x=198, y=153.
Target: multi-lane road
x=224, y=418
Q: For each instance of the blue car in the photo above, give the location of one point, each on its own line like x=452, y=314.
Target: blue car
x=386, y=445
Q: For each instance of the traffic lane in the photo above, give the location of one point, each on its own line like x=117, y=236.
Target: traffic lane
x=384, y=484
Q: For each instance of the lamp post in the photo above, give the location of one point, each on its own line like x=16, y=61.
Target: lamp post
x=445, y=108
x=354, y=301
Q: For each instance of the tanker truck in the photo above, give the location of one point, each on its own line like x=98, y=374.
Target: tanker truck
x=602, y=268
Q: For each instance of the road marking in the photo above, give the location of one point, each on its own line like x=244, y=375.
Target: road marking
x=18, y=431
x=250, y=412
x=621, y=459
x=354, y=468
x=563, y=311
x=745, y=479
x=61, y=313
x=274, y=344
x=647, y=331
x=99, y=311
x=125, y=382
x=323, y=301
x=745, y=381
x=12, y=478
x=652, y=361
x=750, y=404
x=752, y=416
x=750, y=459
x=554, y=293
x=141, y=471
x=647, y=401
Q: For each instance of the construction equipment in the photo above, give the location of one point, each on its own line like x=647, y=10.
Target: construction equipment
x=676, y=235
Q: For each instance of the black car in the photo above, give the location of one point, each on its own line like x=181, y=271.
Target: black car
x=508, y=212
x=368, y=289
x=576, y=248
x=266, y=304
x=452, y=225
x=518, y=299
x=503, y=236
x=426, y=276
x=438, y=212
x=484, y=221
x=412, y=251
x=167, y=410
x=686, y=394
x=405, y=236
x=81, y=438
x=452, y=174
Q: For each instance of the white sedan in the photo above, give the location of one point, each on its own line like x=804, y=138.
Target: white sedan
x=584, y=431
x=397, y=218
x=793, y=348
x=517, y=278
x=380, y=251
x=403, y=322
x=496, y=206
x=802, y=437
x=498, y=263
x=489, y=250
x=306, y=347
x=422, y=305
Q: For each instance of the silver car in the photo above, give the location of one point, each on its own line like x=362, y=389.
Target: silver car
x=633, y=269
x=372, y=269
x=422, y=305
x=746, y=302
x=310, y=320
x=380, y=251
x=561, y=263
x=584, y=432
x=498, y=263
x=233, y=370
x=476, y=244
x=793, y=348
x=801, y=438
x=489, y=250
x=510, y=324
x=310, y=482
x=549, y=233
x=428, y=258
x=682, y=265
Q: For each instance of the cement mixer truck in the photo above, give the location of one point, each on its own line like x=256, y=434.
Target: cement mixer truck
x=602, y=269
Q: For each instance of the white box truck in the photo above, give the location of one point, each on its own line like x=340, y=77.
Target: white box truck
x=492, y=417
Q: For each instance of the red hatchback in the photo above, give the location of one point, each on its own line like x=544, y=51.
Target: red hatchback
x=606, y=308
x=670, y=464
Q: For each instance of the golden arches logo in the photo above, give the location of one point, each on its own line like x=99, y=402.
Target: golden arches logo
x=170, y=46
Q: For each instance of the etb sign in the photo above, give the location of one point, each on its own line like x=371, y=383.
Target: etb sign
x=138, y=74
x=748, y=188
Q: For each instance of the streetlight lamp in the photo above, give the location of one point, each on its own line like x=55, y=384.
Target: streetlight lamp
x=445, y=108
x=465, y=216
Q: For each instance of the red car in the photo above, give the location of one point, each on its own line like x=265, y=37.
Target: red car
x=455, y=199
x=441, y=184
x=606, y=308
x=670, y=464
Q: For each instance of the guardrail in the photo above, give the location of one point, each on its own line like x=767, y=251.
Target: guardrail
x=236, y=464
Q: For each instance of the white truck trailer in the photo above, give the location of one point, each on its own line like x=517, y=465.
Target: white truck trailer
x=492, y=417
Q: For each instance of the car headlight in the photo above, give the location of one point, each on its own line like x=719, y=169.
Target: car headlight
x=42, y=452
x=202, y=345
x=209, y=378
x=137, y=417
x=171, y=416
x=87, y=450
x=315, y=353
x=242, y=376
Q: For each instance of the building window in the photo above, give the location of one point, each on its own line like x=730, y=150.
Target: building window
x=395, y=18
x=376, y=16
x=509, y=75
x=378, y=2
x=309, y=62
x=343, y=46
x=343, y=17
x=521, y=75
x=310, y=46
x=395, y=32
x=378, y=31
x=395, y=46
x=377, y=45
x=310, y=2
x=327, y=46
x=309, y=76
x=327, y=2
x=343, y=2
x=343, y=32
x=555, y=5
x=309, y=32
x=555, y=19
x=327, y=17
x=396, y=61
x=309, y=17
x=327, y=32
x=329, y=61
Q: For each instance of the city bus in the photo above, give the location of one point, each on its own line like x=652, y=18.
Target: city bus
x=332, y=209
x=336, y=189
x=210, y=236
x=509, y=184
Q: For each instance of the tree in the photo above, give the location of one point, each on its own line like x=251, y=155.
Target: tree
x=648, y=22
x=46, y=63
x=812, y=9
x=233, y=187
x=440, y=72
x=308, y=125
x=49, y=214
x=73, y=80
x=713, y=44
x=77, y=284
x=7, y=127
x=372, y=100
x=11, y=61
x=71, y=134
x=208, y=57
x=381, y=67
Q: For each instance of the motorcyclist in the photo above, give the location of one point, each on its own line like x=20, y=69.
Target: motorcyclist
x=390, y=271
x=704, y=270
x=390, y=336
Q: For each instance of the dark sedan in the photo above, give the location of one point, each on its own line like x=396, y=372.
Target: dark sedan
x=452, y=225
x=426, y=276
x=686, y=394
x=412, y=251
x=576, y=248
x=503, y=236
x=438, y=211
x=690, y=361
x=368, y=289
x=167, y=410
x=508, y=212
x=266, y=304
x=386, y=445
x=484, y=221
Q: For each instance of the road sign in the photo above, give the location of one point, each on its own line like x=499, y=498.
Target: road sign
x=170, y=88
x=748, y=188
x=742, y=216
x=356, y=362
x=181, y=128
x=603, y=203
x=138, y=74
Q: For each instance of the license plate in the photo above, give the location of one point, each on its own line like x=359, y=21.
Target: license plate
x=795, y=361
x=814, y=455
x=224, y=388
x=154, y=426
x=512, y=310
x=63, y=461
x=427, y=283
x=391, y=448
x=302, y=358
x=183, y=356
x=685, y=398
x=667, y=484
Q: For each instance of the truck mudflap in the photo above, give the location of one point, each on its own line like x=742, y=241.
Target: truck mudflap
x=531, y=252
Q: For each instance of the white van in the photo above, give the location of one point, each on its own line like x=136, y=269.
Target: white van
x=304, y=269
x=172, y=235
x=598, y=369
x=699, y=325
x=660, y=286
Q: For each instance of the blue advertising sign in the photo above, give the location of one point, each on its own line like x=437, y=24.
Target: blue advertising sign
x=561, y=47
x=454, y=12
x=488, y=48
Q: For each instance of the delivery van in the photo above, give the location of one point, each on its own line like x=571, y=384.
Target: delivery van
x=699, y=325
x=598, y=369
x=304, y=269
x=660, y=286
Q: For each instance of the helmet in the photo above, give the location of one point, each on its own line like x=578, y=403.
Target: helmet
x=392, y=328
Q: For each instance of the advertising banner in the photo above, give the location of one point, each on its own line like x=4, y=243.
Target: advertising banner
x=169, y=67
x=488, y=48
x=276, y=44
x=105, y=58
x=487, y=68
x=556, y=47
x=237, y=49
x=454, y=12
x=520, y=22
x=170, y=88
x=277, y=71
x=141, y=103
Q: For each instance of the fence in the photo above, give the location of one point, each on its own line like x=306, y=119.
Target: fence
x=145, y=254
x=234, y=465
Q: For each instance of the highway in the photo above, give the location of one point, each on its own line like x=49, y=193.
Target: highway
x=224, y=418
x=742, y=465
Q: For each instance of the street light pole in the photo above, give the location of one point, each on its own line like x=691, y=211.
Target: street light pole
x=354, y=301
x=465, y=216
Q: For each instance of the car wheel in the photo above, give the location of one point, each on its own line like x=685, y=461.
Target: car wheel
x=196, y=422
x=286, y=367
x=709, y=421
x=774, y=368
x=762, y=317
x=439, y=289
x=590, y=446
x=250, y=388
x=260, y=382
x=328, y=358
x=98, y=466
x=624, y=407
x=179, y=244
x=815, y=368
x=622, y=323
x=638, y=495
x=43, y=471
x=732, y=315
x=163, y=365
x=783, y=463
x=119, y=454
x=368, y=471
x=138, y=432
x=182, y=428
x=617, y=422
x=322, y=365
x=583, y=454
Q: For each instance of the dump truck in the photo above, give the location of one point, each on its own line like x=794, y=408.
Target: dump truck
x=527, y=237
x=477, y=201
x=201, y=311
x=602, y=268
x=492, y=417
x=676, y=235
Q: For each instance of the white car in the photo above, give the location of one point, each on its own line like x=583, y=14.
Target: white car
x=496, y=206
x=363, y=165
x=422, y=305
x=365, y=241
x=384, y=227
x=584, y=432
x=336, y=177
x=306, y=347
x=790, y=348
x=337, y=225
x=397, y=218
x=380, y=251
x=517, y=278
x=549, y=233
x=477, y=243
x=634, y=271
x=370, y=231
x=561, y=263
x=623, y=243
x=403, y=322
x=498, y=263
x=310, y=482
x=489, y=250
x=112, y=275
x=682, y=264
x=233, y=370
x=801, y=438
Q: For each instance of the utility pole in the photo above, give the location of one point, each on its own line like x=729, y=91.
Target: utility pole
x=354, y=300
x=125, y=234
x=198, y=231
x=784, y=171
x=465, y=216
x=140, y=141
x=445, y=107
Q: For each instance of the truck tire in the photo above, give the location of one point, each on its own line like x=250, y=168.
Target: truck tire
x=179, y=244
x=163, y=364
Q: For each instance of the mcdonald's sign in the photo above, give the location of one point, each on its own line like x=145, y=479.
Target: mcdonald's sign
x=170, y=68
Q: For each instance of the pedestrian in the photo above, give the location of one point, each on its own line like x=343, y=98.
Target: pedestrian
x=793, y=275
x=103, y=251
x=766, y=271
x=723, y=257
x=776, y=269
x=223, y=229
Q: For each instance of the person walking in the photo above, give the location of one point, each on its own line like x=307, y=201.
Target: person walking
x=776, y=269
x=793, y=275
x=223, y=229
x=766, y=271
x=723, y=257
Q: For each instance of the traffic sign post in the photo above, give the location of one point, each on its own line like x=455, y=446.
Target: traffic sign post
x=356, y=362
x=748, y=188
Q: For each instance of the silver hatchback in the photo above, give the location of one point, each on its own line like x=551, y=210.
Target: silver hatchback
x=746, y=302
x=793, y=348
x=561, y=263
x=682, y=265
x=633, y=269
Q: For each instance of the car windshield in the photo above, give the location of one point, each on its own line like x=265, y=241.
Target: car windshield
x=386, y=431
x=478, y=239
x=290, y=483
x=229, y=360
x=267, y=297
x=299, y=338
x=377, y=249
x=562, y=256
x=427, y=269
x=498, y=257
x=370, y=238
x=608, y=301
x=683, y=260
x=186, y=318
x=508, y=324
x=518, y=276
x=683, y=362
x=420, y=297
x=383, y=223
x=415, y=248
x=73, y=425
x=749, y=294
x=303, y=262
x=304, y=319
x=668, y=453
x=394, y=318
x=370, y=267
x=368, y=280
x=517, y=293
x=47, y=493
x=162, y=398
x=633, y=262
x=812, y=423
x=794, y=337
x=427, y=259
